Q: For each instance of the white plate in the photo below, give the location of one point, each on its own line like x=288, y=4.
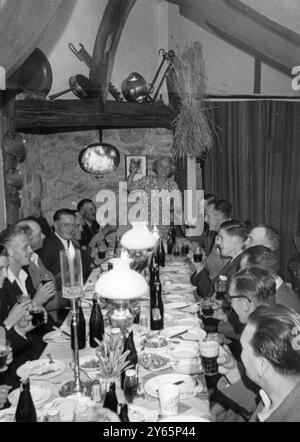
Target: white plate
x=182, y=351
x=27, y=370
x=184, y=418
x=56, y=336
x=195, y=333
x=173, y=298
x=174, y=305
x=188, y=366
x=171, y=331
x=40, y=393
x=8, y=415
x=189, y=322
x=141, y=414
x=152, y=385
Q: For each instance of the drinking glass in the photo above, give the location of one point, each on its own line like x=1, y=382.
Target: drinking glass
x=4, y=351
x=207, y=308
x=37, y=313
x=185, y=248
x=168, y=395
x=209, y=352
x=176, y=250
x=22, y=297
x=220, y=289
x=130, y=385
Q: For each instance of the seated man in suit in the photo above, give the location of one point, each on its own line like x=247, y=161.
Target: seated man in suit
x=267, y=259
x=38, y=272
x=217, y=212
x=64, y=224
x=21, y=332
x=263, y=235
x=87, y=210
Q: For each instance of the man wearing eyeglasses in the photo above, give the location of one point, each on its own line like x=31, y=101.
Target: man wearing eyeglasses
x=248, y=289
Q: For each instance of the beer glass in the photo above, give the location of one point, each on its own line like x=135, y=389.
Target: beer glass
x=207, y=308
x=209, y=352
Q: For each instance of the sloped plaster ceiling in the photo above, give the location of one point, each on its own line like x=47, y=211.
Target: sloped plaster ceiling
x=247, y=34
x=22, y=23
x=284, y=12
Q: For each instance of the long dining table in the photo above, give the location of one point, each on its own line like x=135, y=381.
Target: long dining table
x=175, y=272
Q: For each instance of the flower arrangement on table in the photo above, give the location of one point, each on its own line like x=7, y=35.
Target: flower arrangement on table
x=112, y=360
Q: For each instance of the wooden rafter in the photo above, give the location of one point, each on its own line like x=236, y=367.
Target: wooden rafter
x=106, y=44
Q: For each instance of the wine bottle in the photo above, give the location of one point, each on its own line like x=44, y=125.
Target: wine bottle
x=25, y=411
x=124, y=413
x=161, y=255
x=170, y=244
x=132, y=357
x=173, y=233
x=96, y=324
x=156, y=307
x=81, y=330
x=111, y=400
x=116, y=247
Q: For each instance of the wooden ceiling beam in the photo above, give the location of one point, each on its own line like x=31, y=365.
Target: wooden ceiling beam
x=41, y=116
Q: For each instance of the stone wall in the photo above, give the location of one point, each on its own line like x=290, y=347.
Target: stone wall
x=52, y=173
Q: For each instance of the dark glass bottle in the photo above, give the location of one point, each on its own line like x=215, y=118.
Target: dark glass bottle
x=25, y=411
x=132, y=358
x=156, y=307
x=81, y=330
x=161, y=254
x=173, y=233
x=116, y=247
x=170, y=244
x=153, y=268
x=124, y=413
x=111, y=400
x=96, y=324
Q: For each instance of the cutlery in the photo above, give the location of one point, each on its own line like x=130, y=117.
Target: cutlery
x=179, y=334
x=189, y=305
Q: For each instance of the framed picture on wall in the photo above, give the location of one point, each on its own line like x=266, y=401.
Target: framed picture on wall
x=140, y=161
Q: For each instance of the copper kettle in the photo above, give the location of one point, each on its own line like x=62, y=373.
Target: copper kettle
x=135, y=88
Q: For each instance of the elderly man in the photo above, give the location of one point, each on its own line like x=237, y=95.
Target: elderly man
x=248, y=289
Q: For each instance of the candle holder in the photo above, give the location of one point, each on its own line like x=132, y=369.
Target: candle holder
x=72, y=284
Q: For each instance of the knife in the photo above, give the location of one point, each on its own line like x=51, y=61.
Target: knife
x=178, y=334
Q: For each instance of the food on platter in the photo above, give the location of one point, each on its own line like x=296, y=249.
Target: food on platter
x=153, y=340
x=152, y=361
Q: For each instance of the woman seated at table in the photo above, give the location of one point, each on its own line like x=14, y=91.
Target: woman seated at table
x=271, y=357
x=230, y=241
x=164, y=168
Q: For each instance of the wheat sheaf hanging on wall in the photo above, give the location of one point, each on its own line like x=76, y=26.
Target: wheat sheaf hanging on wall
x=193, y=134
